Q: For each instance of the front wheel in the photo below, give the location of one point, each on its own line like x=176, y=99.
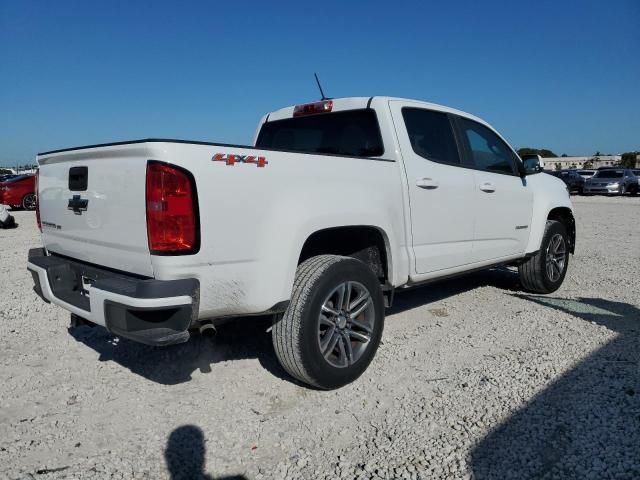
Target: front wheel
x=332, y=328
x=29, y=201
x=545, y=271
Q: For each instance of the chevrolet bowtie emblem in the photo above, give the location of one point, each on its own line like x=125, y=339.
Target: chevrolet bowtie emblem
x=77, y=204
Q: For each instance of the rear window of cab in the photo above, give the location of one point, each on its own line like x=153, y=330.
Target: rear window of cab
x=353, y=133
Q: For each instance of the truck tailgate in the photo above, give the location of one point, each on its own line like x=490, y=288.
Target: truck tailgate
x=92, y=206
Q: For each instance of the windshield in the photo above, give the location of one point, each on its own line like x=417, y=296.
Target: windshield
x=636, y=172
x=609, y=174
x=352, y=133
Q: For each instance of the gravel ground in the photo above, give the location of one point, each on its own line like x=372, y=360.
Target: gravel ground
x=475, y=379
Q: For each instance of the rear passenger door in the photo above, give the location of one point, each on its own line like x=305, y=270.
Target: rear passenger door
x=503, y=201
x=441, y=190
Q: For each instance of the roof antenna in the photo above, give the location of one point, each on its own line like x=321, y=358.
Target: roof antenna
x=320, y=87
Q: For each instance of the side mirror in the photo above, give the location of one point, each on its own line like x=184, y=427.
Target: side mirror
x=531, y=164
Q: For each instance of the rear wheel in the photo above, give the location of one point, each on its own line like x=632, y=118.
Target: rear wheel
x=29, y=201
x=545, y=271
x=332, y=328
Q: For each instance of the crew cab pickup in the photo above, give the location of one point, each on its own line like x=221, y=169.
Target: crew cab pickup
x=338, y=204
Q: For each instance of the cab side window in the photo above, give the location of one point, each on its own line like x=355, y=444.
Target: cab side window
x=487, y=150
x=431, y=135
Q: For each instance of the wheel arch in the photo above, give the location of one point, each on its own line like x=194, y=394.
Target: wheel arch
x=565, y=216
x=367, y=243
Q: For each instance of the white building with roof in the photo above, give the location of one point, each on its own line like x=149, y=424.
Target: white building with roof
x=551, y=163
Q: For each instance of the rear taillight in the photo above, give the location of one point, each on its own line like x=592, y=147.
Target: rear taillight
x=38, y=200
x=172, y=211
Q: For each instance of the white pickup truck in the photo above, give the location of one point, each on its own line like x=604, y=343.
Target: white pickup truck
x=339, y=203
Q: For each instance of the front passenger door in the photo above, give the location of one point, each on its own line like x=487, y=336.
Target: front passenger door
x=503, y=201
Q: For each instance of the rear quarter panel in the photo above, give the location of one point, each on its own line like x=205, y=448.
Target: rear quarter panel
x=255, y=220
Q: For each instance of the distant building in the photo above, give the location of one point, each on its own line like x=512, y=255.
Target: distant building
x=579, y=162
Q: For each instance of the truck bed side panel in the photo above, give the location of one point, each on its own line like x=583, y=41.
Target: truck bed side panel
x=255, y=220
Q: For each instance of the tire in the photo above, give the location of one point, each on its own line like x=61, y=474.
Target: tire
x=535, y=275
x=29, y=201
x=302, y=333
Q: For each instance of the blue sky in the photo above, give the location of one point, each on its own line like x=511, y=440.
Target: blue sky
x=564, y=75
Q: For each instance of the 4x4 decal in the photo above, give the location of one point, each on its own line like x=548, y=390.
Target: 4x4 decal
x=232, y=159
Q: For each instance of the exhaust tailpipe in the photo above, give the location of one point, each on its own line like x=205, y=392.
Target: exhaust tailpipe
x=207, y=329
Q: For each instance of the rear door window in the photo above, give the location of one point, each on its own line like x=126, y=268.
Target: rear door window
x=431, y=135
x=487, y=150
x=351, y=133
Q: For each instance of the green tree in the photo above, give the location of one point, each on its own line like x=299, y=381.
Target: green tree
x=629, y=159
x=4, y=171
x=543, y=152
x=558, y=166
x=588, y=164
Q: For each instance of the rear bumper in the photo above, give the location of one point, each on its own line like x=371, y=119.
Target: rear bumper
x=154, y=312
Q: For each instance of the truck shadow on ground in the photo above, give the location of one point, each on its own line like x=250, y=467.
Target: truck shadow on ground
x=247, y=338
x=185, y=455
x=590, y=413
x=503, y=278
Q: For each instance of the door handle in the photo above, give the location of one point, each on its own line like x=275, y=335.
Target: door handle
x=487, y=187
x=428, y=183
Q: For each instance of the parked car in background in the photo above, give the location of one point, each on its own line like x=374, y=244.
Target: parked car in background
x=19, y=191
x=612, y=181
x=8, y=176
x=587, y=173
x=574, y=182
x=634, y=189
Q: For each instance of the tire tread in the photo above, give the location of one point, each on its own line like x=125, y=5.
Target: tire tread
x=286, y=331
x=531, y=272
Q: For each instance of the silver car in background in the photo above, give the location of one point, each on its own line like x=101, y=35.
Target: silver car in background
x=611, y=181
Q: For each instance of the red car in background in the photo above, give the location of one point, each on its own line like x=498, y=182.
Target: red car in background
x=19, y=192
